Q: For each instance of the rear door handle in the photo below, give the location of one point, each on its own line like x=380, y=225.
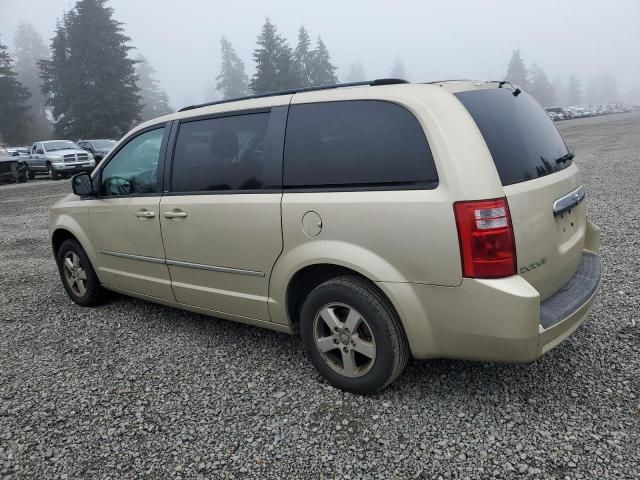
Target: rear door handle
x=175, y=213
x=144, y=213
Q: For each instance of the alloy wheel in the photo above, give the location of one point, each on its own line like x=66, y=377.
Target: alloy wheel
x=344, y=339
x=75, y=274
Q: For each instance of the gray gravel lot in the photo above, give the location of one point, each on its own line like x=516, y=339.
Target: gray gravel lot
x=133, y=389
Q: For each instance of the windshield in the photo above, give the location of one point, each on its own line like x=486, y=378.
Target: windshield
x=523, y=141
x=59, y=145
x=103, y=143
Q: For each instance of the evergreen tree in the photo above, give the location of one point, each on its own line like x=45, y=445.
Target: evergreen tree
x=30, y=49
x=303, y=58
x=356, y=73
x=322, y=72
x=602, y=88
x=541, y=89
x=574, y=91
x=274, y=62
x=14, y=119
x=154, y=100
x=560, y=89
x=232, y=81
x=516, y=71
x=397, y=70
x=90, y=81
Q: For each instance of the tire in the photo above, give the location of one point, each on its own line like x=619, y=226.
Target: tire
x=85, y=291
x=337, y=354
x=23, y=178
x=31, y=174
x=53, y=175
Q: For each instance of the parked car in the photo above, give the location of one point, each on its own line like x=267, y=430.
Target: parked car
x=558, y=113
x=99, y=148
x=12, y=169
x=18, y=151
x=58, y=158
x=372, y=242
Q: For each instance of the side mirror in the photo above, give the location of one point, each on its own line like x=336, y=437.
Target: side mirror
x=40, y=152
x=82, y=185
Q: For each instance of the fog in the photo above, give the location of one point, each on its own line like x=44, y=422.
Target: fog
x=434, y=39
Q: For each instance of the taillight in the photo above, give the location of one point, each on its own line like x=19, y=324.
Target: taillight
x=486, y=240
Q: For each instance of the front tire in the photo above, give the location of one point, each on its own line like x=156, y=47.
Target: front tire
x=53, y=175
x=77, y=274
x=353, y=336
x=31, y=174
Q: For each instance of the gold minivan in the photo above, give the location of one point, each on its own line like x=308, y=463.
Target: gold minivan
x=379, y=220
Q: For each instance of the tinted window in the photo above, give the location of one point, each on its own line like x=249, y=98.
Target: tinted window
x=356, y=143
x=224, y=153
x=133, y=169
x=524, y=142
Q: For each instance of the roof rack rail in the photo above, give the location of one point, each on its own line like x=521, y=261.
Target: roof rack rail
x=372, y=83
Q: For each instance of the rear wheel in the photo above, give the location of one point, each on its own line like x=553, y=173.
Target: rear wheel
x=353, y=336
x=77, y=274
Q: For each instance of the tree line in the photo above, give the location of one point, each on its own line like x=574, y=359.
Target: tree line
x=86, y=84
x=278, y=66
x=600, y=88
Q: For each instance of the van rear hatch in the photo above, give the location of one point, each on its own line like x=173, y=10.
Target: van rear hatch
x=541, y=184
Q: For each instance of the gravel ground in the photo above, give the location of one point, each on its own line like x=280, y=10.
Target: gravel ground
x=133, y=389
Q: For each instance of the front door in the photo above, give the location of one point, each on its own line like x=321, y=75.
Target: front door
x=124, y=219
x=220, y=218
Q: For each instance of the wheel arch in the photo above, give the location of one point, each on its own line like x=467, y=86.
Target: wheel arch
x=66, y=227
x=321, y=260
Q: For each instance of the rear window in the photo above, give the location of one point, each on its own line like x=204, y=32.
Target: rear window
x=357, y=143
x=523, y=140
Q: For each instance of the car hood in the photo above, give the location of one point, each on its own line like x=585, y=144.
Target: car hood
x=10, y=159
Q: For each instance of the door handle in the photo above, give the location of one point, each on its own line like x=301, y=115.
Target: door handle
x=175, y=213
x=143, y=213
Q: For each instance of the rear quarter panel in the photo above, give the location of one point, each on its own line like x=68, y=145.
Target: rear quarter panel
x=392, y=236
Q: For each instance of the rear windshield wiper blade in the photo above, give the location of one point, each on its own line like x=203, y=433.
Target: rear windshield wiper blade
x=565, y=158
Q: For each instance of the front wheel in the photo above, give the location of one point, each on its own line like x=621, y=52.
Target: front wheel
x=77, y=274
x=352, y=335
x=31, y=174
x=53, y=175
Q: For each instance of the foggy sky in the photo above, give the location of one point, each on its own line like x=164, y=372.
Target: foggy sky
x=435, y=39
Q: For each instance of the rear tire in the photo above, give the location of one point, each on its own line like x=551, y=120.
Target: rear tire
x=352, y=335
x=77, y=274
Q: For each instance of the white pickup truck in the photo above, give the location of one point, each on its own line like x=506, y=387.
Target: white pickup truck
x=58, y=158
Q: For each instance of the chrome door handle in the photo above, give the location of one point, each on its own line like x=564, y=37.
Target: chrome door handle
x=175, y=214
x=145, y=213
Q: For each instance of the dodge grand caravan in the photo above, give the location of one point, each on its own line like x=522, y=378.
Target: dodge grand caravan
x=378, y=220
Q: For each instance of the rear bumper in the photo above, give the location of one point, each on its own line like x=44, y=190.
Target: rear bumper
x=499, y=320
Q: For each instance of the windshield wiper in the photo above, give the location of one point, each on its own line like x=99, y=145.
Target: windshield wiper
x=565, y=158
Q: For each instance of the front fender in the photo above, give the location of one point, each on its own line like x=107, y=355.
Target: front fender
x=75, y=220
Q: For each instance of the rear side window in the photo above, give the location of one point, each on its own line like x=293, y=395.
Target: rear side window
x=219, y=154
x=523, y=140
x=356, y=144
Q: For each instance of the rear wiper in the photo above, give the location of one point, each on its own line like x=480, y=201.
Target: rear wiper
x=565, y=158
